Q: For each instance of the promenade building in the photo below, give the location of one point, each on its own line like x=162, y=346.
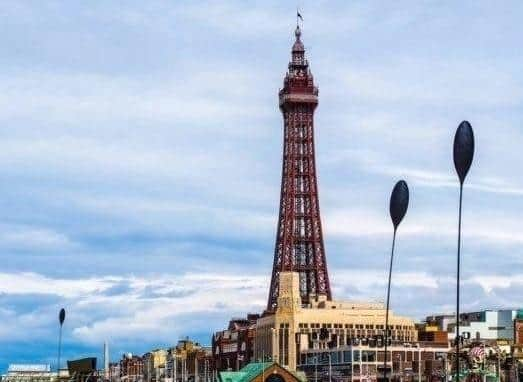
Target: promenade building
x=428, y=332
x=233, y=348
x=189, y=361
x=115, y=372
x=517, y=347
x=154, y=365
x=481, y=325
x=321, y=324
x=518, y=328
x=358, y=362
x=29, y=373
x=131, y=368
x=261, y=372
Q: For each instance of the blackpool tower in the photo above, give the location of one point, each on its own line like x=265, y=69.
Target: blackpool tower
x=299, y=239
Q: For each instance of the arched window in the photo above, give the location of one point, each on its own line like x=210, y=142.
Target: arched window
x=274, y=378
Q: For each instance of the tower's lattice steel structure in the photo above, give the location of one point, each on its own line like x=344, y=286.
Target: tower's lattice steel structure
x=299, y=239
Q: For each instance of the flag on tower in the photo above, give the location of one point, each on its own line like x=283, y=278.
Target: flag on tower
x=298, y=15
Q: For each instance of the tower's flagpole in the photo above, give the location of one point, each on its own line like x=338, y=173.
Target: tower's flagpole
x=298, y=16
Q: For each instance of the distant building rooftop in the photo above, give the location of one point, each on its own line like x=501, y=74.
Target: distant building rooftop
x=32, y=368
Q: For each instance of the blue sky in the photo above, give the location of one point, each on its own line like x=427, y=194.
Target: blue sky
x=141, y=148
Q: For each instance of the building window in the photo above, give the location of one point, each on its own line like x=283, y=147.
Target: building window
x=274, y=378
x=368, y=356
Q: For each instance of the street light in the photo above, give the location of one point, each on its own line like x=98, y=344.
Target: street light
x=400, y=361
x=316, y=368
x=463, y=155
x=399, y=202
x=61, y=319
x=443, y=360
x=330, y=366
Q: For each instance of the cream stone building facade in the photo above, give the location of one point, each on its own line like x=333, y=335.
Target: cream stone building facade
x=154, y=365
x=321, y=324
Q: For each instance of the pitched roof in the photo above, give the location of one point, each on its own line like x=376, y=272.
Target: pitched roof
x=247, y=373
x=251, y=371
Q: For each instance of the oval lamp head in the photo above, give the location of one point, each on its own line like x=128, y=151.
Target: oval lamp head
x=463, y=149
x=399, y=202
x=61, y=316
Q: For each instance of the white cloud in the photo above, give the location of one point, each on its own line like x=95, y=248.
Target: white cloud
x=491, y=282
x=33, y=283
x=133, y=307
x=482, y=227
x=33, y=238
x=73, y=98
x=451, y=81
x=162, y=307
x=366, y=279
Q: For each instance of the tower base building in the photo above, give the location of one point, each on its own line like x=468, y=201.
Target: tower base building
x=320, y=324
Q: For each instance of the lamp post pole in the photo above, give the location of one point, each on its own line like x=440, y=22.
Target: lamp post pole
x=463, y=155
x=330, y=367
x=400, y=371
x=399, y=202
x=263, y=366
x=316, y=368
x=61, y=319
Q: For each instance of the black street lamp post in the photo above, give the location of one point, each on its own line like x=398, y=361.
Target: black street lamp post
x=61, y=319
x=399, y=202
x=463, y=155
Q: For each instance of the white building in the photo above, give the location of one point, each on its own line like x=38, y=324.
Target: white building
x=29, y=372
x=483, y=325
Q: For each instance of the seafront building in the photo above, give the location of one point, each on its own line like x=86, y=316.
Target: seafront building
x=420, y=361
x=261, y=372
x=481, y=325
x=29, y=373
x=322, y=324
x=233, y=348
x=154, y=365
x=189, y=361
x=131, y=368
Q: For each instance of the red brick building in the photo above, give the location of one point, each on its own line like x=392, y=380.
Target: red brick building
x=233, y=348
x=131, y=368
x=518, y=331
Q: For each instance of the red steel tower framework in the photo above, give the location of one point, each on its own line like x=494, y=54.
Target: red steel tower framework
x=299, y=239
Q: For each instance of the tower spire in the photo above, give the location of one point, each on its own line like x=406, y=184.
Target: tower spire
x=299, y=239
